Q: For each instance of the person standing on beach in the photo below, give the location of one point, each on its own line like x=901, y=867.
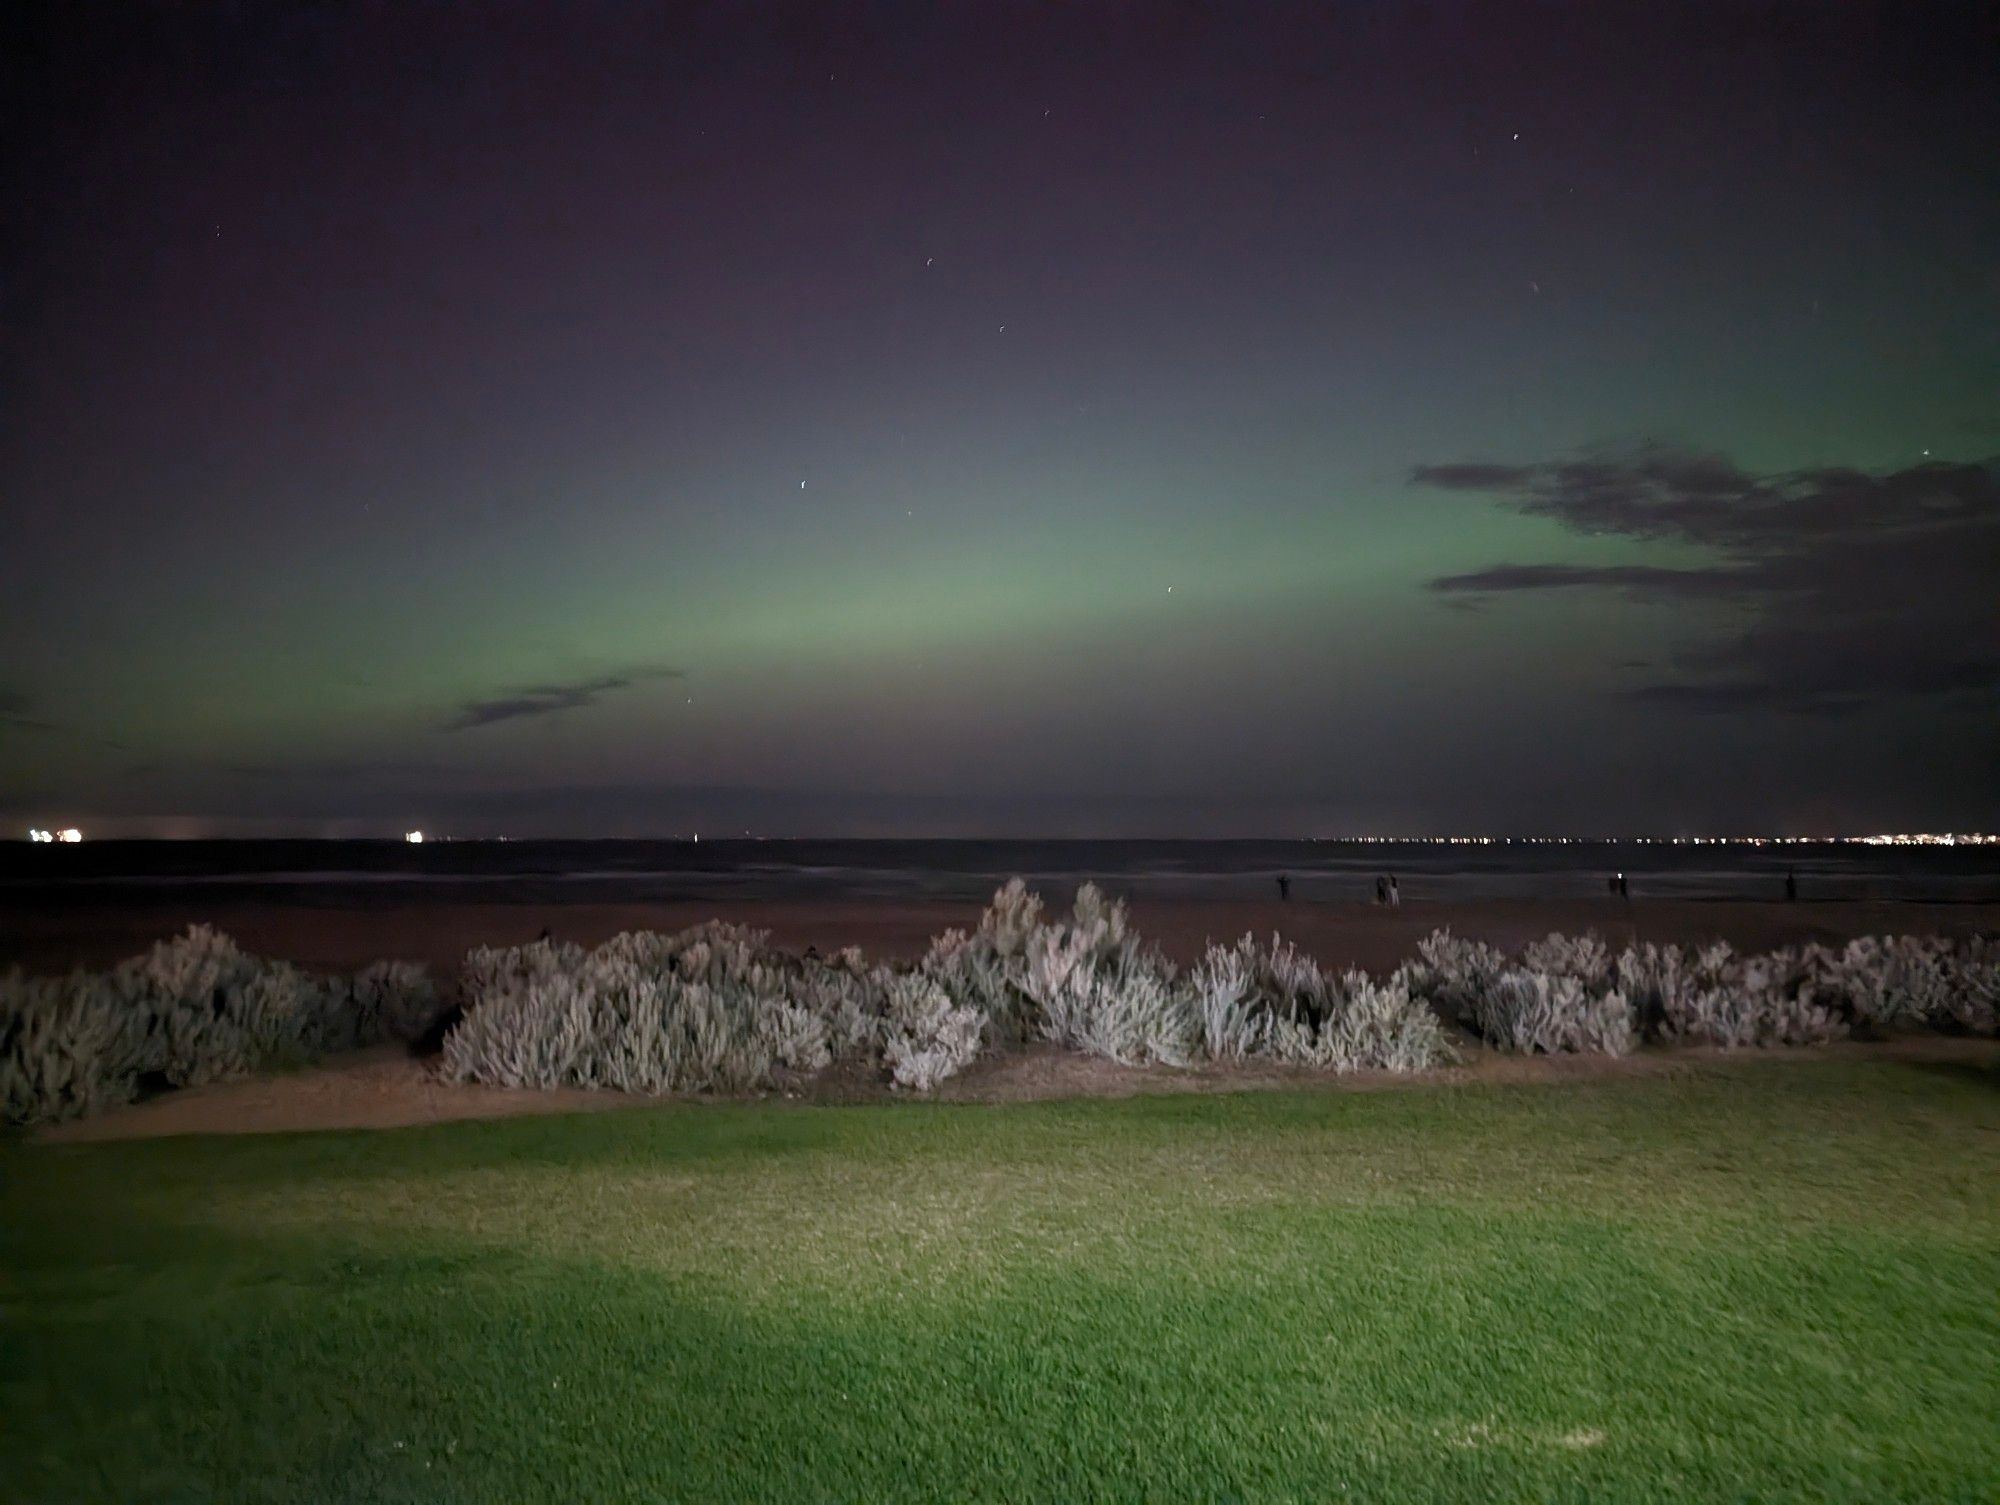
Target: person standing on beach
x=1284, y=888
x=1791, y=887
x=1381, y=889
x=1395, y=893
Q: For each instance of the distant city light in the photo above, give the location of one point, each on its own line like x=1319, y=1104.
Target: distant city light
x=34, y=835
x=69, y=834
x=1890, y=839
x=415, y=838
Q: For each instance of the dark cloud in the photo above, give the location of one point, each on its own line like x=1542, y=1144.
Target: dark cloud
x=1864, y=587
x=1637, y=579
x=1470, y=477
x=551, y=700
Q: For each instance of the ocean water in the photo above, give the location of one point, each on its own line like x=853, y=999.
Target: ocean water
x=358, y=873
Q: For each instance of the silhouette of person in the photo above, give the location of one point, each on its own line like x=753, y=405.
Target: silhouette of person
x=1381, y=889
x=545, y=935
x=1284, y=887
x=1395, y=893
x=1791, y=887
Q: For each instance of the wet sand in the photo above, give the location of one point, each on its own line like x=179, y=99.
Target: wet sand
x=53, y=938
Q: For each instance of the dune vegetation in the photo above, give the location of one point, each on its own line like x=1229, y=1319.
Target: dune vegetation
x=718, y=1009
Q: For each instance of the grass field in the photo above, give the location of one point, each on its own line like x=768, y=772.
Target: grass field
x=1761, y=1279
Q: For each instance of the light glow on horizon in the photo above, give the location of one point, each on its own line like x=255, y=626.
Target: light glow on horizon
x=1888, y=839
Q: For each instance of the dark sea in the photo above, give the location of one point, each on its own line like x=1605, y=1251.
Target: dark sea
x=361, y=873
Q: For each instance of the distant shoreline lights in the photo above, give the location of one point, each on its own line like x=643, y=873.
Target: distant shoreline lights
x=1893, y=839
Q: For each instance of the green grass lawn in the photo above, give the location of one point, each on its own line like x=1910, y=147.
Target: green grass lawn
x=1766, y=1279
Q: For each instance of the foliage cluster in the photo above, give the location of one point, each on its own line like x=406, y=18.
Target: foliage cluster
x=717, y=1008
x=193, y=1009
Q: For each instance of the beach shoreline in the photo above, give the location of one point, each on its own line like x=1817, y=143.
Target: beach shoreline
x=52, y=937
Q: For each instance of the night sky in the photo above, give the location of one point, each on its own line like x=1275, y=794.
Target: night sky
x=1094, y=420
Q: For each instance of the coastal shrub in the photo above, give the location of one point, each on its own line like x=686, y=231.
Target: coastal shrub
x=1583, y=957
x=393, y=1001
x=66, y=1048
x=1287, y=982
x=1132, y=1014
x=1974, y=1005
x=1273, y=1001
x=1564, y=995
x=1655, y=980
x=1233, y=1023
x=1453, y=975
x=1363, y=1025
x=975, y=975
x=193, y=1009
x=206, y=1010
x=717, y=1008
x=709, y=1009
x=1778, y=998
x=1886, y=982
x=927, y=1038
x=845, y=992
x=488, y=970
x=986, y=970
x=1097, y=988
x=1540, y=1011
x=706, y=1009
x=1889, y=981
x=1720, y=1016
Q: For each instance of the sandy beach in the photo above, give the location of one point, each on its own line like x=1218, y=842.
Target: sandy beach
x=54, y=938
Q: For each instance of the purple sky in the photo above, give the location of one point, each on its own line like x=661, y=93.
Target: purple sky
x=1093, y=419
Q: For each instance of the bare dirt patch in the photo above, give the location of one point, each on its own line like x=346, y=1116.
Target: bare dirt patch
x=383, y=1089
x=374, y=1089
